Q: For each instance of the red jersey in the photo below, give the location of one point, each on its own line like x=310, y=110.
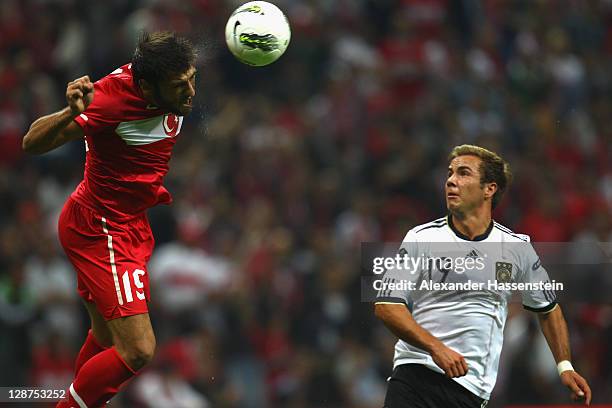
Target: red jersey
x=129, y=143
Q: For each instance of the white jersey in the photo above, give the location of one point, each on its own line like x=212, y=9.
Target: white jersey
x=470, y=322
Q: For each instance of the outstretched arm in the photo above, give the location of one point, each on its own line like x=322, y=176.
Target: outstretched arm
x=399, y=320
x=555, y=330
x=52, y=131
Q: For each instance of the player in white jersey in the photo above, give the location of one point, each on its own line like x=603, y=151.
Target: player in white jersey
x=450, y=340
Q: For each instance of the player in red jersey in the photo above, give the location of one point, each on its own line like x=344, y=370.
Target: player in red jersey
x=130, y=120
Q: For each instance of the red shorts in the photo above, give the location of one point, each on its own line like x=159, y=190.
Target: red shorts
x=110, y=259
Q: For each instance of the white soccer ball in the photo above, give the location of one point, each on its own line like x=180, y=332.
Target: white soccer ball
x=257, y=33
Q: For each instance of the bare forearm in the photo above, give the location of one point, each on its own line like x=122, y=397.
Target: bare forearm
x=555, y=330
x=44, y=133
x=399, y=320
x=402, y=324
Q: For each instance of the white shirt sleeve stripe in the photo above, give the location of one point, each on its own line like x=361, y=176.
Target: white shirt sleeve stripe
x=77, y=398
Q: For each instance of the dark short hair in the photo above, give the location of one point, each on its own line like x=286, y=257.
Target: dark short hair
x=160, y=55
x=493, y=169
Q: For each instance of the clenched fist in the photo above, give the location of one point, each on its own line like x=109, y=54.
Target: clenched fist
x=79, y=94
x=450, y=361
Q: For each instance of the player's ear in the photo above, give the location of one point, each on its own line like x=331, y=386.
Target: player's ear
x=490, y=190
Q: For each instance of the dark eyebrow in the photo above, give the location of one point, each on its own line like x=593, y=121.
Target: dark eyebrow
x=460, y=168
x=177, y=81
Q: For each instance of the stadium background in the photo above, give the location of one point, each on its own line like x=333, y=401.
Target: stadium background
x=281, y=172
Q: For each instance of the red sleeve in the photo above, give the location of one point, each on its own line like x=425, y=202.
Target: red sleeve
x=101, y=113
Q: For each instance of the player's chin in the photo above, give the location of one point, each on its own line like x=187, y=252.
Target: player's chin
x=452, y=203
x=184, y=109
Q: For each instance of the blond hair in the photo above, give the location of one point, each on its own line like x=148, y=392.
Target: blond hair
x=493, y=169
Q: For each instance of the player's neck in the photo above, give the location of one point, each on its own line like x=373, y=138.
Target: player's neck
x=148, y=97
x=471, y=225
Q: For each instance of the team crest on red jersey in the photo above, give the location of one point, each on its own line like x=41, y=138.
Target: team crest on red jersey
x=171, y=124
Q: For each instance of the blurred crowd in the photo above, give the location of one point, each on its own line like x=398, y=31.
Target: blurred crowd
x=281, y=172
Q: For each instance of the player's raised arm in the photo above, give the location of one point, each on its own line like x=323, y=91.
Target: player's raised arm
x=555, y=330
x=52, y=131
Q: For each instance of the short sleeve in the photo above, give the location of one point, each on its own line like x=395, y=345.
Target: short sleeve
x=99, y=114
x=394, y=285
x=532, y=271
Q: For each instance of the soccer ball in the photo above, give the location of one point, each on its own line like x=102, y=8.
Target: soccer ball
x=257, y=33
